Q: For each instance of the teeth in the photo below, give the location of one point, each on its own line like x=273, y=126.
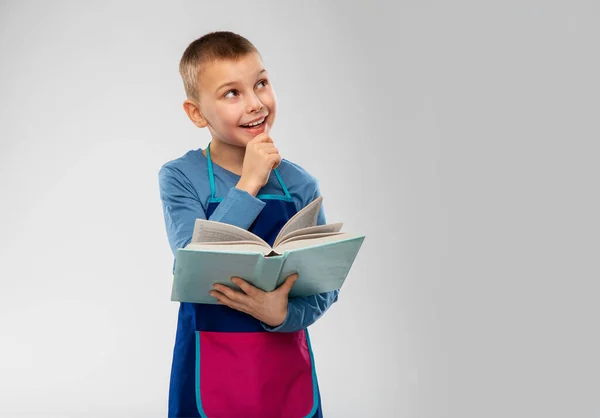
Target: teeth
x=255, y=123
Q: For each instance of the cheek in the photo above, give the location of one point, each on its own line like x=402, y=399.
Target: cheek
x=270, y=100
x=229, y=114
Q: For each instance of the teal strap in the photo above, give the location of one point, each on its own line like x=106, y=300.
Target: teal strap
x=287, y=193
x=211, y=177
x=197, y=378
x=210, y=173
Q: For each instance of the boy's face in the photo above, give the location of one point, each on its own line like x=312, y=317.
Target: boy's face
x=233, y=94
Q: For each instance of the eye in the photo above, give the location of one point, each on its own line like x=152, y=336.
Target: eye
x=231, y=91
x=265, y=82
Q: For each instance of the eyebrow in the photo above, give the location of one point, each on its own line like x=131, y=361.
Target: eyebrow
x=230, y=83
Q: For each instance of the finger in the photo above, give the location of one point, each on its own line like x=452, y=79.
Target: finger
x=275, y=157
x=286, y=287
x=264, y=145
x=271, y=150
x=261, y=138
x=230, y=293
x=246, y=287
x=275, y=160
x=224, y=300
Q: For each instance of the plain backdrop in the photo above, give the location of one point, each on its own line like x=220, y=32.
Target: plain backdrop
x=460, y=137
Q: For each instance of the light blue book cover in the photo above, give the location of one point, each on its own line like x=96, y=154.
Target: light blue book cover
x=320, y=267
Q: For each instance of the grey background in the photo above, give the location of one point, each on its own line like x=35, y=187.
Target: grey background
x=460, y=137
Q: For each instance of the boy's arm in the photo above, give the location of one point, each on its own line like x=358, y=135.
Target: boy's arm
x=181, y=207
x=304, y=311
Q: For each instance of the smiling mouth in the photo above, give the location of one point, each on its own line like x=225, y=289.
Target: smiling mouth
x=255, y=124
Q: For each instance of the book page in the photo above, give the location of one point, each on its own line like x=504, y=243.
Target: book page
x=305, y=218
x=210, y=231
x=230, y=247
x=315, y=239
x=306, y=232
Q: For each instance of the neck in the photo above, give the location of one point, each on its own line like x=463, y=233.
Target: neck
x=230, y=157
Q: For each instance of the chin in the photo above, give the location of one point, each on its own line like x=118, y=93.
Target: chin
x=239, y=142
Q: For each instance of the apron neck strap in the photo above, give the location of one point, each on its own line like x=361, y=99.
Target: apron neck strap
x=287, y=193
x=211, y=177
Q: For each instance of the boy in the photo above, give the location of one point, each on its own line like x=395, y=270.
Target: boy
x=248, y=355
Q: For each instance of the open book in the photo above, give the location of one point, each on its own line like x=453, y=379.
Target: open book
x=322, y=256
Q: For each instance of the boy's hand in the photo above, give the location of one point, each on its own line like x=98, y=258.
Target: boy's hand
x=268, y=307
x=261, y=157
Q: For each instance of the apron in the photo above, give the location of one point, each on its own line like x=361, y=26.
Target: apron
x=226, y=365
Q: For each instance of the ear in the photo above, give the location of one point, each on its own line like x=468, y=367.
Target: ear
x=193, y=111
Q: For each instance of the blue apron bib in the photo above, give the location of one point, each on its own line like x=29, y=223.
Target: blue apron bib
x=225, y=364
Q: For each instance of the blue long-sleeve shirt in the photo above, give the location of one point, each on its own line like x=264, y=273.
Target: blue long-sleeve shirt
x=185, y=191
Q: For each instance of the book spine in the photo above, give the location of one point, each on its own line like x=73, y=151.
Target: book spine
x=280, y=276
x=268, y=270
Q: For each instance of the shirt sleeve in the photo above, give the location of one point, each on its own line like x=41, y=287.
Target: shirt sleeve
x=182, y=206
x=305, y=311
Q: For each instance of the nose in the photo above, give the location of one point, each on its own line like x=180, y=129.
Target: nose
x=253, y=104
